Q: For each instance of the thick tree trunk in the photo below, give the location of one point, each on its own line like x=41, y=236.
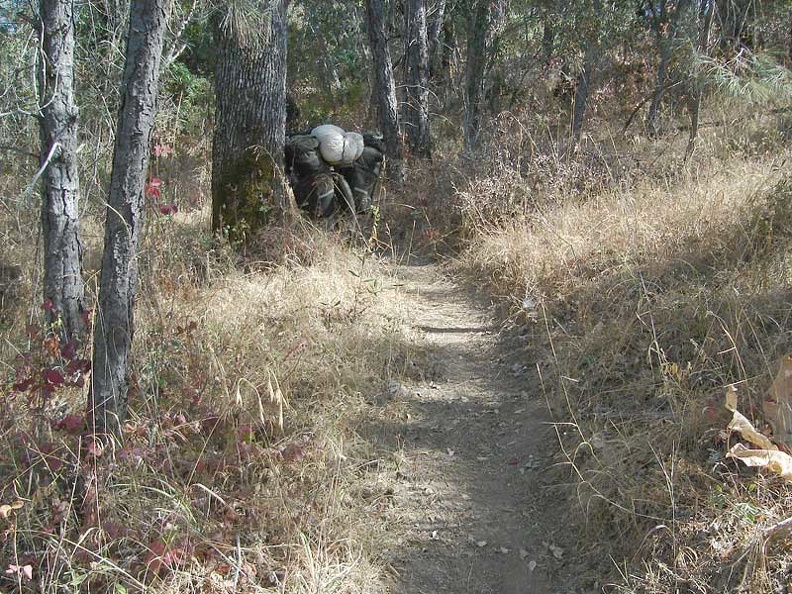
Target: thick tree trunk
x=250, y=114
x=385, y=89
x=484, y=23
x=118, y=282
x=63, y=284
x=416, y=106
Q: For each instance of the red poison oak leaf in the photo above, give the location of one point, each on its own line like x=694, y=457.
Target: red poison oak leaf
x=69, y=350
x=162, y=150
x=153, y=187
x=72, y=424
x=52, y=377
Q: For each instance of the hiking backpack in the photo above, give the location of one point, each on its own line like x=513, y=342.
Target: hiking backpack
x=363, y=176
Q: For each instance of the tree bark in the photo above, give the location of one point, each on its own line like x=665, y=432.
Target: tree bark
x=548, y=40
x=385, y=89
x=484, y=23
x=735, y=24
x=586, y=76
x=666, y=31
x=582, y=92
x=125, y=215
x=250, y=99
x=416, y=106
x=326, y=66
x=435, y=36
x=63, y=284
x=706, y=10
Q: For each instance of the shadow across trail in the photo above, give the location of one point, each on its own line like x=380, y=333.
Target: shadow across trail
x=472, y=509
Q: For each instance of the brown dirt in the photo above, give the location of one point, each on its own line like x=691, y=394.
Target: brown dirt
x=475, y=510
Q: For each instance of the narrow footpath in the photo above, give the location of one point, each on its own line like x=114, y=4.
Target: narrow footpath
x=474, y=502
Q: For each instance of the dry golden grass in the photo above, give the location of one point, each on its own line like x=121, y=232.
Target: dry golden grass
x=247, y=462
x=637, y=305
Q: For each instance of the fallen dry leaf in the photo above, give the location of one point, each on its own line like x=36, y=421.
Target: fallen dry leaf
x=731, y=398
x=5, y=509
x=773, y=460
x=767, y=455
x=742, y=425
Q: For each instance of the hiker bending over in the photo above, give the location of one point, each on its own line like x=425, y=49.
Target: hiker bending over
x=332, y=171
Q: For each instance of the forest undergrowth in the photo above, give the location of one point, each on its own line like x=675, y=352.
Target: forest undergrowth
x=634, y=287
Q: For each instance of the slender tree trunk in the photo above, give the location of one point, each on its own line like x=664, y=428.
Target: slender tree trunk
x=435, y=34
x=250, y=97
x=735, y=23
x=706, y=9
x=449, y=55
x=548, y=40
x=118, y=282
x=665, y=42
x=326, y=67
x=484, y=23
x=416, y=106
x=63, y=284
x=582, y=92
x=585, y=79
x=385, y=89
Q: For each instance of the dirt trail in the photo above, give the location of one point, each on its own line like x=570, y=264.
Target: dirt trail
x=473, y=502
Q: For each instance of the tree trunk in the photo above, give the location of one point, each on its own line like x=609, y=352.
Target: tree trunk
x=484, y=22
x=125, y=215
x=416, y=106
x=326, y=66
x=548, y=40
x=735, y=24
x=585, y=79
x=665, y=42
x=435, y=35
x=582, y=91
x=250, y=115
x=706, y=9
x=63, y=285
x=385, y=89
x=448, y=61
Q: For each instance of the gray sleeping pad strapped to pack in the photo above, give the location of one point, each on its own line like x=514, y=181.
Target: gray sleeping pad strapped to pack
x=363, y=176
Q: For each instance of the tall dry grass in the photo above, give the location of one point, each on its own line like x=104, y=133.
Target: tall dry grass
x=637, y=299
x=250, y=461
